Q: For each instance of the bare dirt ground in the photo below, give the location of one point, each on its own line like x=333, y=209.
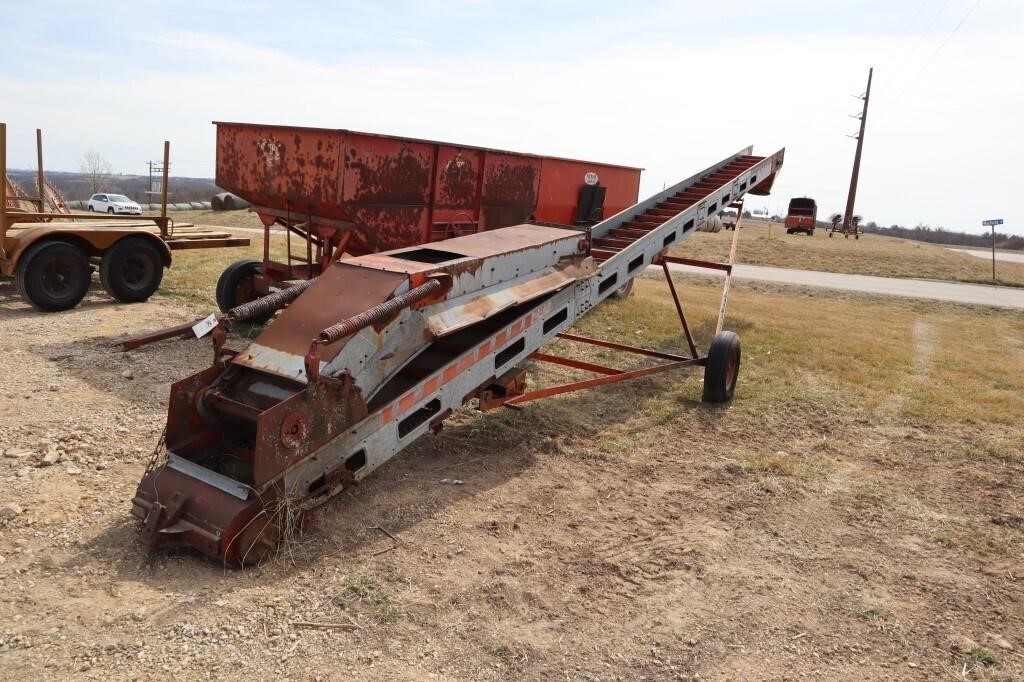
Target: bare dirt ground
x=856, y=513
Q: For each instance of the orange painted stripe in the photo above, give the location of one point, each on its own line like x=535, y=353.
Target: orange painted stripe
x=406, y=401
x=429, y=386
x=517, y=327
x=501, y=338
x=450, y=373
x=386, y=415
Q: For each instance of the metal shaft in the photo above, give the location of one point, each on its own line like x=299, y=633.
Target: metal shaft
x=3, y=189
x=40, y=179
x=379, y=313
x=852, y=197
x=267, y=304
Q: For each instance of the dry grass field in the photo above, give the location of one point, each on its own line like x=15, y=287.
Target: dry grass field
x=857, y=512
x=872, y=254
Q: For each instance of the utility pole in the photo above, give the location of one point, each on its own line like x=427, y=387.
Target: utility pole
x=848, y=217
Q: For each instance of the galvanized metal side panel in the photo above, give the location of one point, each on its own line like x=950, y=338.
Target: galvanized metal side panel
x=629, y=262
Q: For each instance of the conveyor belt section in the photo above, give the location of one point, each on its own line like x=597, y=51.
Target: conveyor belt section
x=620, y=238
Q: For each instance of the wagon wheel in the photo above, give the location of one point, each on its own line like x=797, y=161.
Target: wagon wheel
x=53, y=275
x=722, y=368
x=241, y=283
x=132, y=269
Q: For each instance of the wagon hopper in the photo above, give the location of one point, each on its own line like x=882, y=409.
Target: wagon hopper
x=344, y=192
x=338, y=384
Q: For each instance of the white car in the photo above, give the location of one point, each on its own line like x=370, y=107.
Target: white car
x=114, y=203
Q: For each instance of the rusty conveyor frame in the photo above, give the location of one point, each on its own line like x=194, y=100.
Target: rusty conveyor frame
x=611, y=375
x=315, y=436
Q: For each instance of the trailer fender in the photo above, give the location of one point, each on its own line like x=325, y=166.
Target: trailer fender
x=93, y=241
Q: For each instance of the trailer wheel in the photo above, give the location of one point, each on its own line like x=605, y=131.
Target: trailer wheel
x=53, y=276
x=623, y=291
x=237, y=285
x=132, y=269
x=723, y=368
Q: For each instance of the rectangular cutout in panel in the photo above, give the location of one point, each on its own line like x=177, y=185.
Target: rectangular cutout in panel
x=428, y=255
x=509, y=352
x=688, y=225
x=743, y=186
x=608, y=283
x=711, y=208
x=420, y=416
x=752, y=178
x=725, y=199
x=636, y=262
x=556, y=319
x=669, y=239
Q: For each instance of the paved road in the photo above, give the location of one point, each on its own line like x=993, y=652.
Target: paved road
x=977, y=294
x=987, y=255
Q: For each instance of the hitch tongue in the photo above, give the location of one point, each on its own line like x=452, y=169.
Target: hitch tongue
x=170, y=513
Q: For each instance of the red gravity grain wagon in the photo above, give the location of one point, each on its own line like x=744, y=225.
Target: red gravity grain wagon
x=344, y=192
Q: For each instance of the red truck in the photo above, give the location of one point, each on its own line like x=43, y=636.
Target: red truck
x=802, y=216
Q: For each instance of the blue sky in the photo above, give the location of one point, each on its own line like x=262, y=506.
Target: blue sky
x=670, y=86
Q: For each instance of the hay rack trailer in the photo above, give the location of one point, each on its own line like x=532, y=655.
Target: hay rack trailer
x=51, y=254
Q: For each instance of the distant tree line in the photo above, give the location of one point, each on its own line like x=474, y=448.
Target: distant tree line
x=97, y=178
x=941, y=235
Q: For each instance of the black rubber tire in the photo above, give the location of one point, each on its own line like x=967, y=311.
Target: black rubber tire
x=132, y=269
x=723, y=368
x=53, y=276
x=624, y=291
x=232, y=289
x=110, y=210
x=91, y=209
x=789, y=231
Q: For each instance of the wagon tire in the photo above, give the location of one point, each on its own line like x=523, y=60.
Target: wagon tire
x=722, y=368
x=53, y=276
x=624, y=291
x=132, y=269
x=236, y=286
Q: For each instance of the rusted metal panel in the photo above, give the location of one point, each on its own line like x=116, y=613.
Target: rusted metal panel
x=342, y=291
x=280, y=167
x=510, y=188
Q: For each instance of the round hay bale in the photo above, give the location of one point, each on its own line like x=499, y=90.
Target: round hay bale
x=712, y=224
x=217, y=201
x=196, y=205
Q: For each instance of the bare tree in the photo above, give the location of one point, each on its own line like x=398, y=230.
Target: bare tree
x=96, y=169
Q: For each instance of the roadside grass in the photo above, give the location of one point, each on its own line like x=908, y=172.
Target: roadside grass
x=193, y=273
x=242, y=218
x=872, y=254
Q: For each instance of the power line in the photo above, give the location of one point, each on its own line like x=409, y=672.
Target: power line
x=906, y=32
x=938, y=50
x=921, y=38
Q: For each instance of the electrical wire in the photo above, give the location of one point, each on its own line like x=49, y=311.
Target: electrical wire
x=920, y=38
x=937, y=51
x=906, y=32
